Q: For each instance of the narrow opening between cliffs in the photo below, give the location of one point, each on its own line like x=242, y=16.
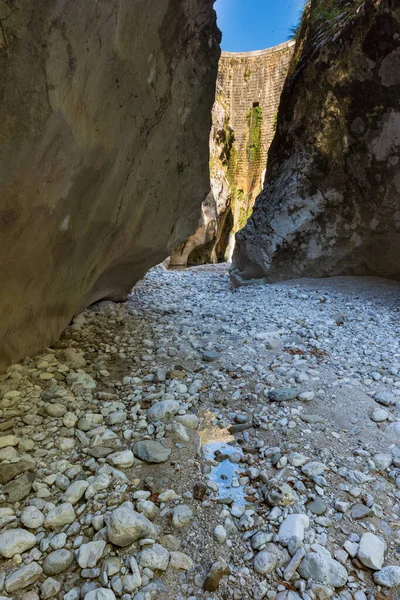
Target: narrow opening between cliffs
x=257, y=48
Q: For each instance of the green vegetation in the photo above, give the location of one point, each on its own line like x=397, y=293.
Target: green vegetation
x=275, y=121
x=247, y=74
x=254, y=122
x=327, y=10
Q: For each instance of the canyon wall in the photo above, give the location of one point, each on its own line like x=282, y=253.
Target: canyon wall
x=104, y=151
x=244, y=119
x=331, y=201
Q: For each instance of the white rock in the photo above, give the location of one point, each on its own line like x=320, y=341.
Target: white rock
x=388, y=577
x=293, y=526
x=126, y=526
x=122, y=460
x=75, y=491
x=100, y=594
x=15, y=541
x=89, y=554
x=371, y=551
x=32, y=517
x=220, y=534
x=61, y=515
x=155, y=557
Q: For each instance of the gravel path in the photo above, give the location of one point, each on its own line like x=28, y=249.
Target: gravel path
x=201, y=442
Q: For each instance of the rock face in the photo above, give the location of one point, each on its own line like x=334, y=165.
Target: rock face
x=331, y=202
x=106, y=114
x=244, y=118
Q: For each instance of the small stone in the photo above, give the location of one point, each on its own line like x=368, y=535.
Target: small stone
x=317, y=506
x=122, y=459
x=155, y=557
x=24, y=577
x=8, y=440
x=293, y=526
x=151, y=451
x=371, y=551
x=89, y=554
x=313, y=469
x=181, y=561
x=283, y=395
x=15, y=541
x=50, y=588
x=32, y=517
x=210, y=357
x=220, y=534
x=126, y=526
x=382, y=461
x=182, y=516
x=100, y=594
x=388, y=577
x=379, y=415
x=162, y=410
x=322, y=568
x=75, y=492
x=57, y=562
x=280, y=494
x=359, y=511
x=265, y=562
x=61, y=515
x=385, y=398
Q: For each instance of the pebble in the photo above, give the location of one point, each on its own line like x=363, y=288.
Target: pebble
x=371, y=551
x=126, y=526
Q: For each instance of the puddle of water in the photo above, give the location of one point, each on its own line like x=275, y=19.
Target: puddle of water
x=215, y=445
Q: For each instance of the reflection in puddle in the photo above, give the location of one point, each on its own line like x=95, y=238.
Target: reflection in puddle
x=215, y=448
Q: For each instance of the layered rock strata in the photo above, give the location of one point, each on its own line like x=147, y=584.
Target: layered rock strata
x=106, y=113
x=331, y=201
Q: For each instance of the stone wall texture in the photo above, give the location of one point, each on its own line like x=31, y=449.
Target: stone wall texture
x=331, y=201
x=105, y=111
x=249, y=87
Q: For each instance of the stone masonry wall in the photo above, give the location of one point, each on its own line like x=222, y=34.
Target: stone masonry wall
x=244, y=116
x=249, y=80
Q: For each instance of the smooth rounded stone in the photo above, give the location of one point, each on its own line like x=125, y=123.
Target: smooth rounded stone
x=218, y=570
x=100, y=594
x=60, y=515
x=57, y=562
x=385, y=398
x=8, y=453
x=16, y=541
x=50, y=588
x=314, y=469
x=58, y=541
x=122, y=459
x=293, y=526
x=170, y=542
x=32, y=518
x=182, y=516
x=147, y=508
x=388, y=577
x=55, y=410
x=265, y=562
x=317, y=506
x=379, y=415
x=382, y=461
x=89, y=554
x=162, y=410
x=283, y=395
x=8, y=440
x=371, y=551
x=288, y=595
x=180, y=561
x=155, y=557
x=210, y=356
x=260, y=539
x=189, y=420
x=296, y=459
x=322, y=568
x=126, y=526
x=280, y=494
x=220, y=534
x=75, y=492
x=151, y=451
x=23, y=577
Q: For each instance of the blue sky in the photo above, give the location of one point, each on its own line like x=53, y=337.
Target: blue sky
x=256, y=24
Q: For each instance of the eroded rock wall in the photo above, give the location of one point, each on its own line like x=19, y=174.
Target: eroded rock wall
x=331, y=201
x=106, y=113
x=244, y=120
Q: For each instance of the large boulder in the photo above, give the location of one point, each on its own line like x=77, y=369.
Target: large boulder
x=104, y=158
x=331, y=201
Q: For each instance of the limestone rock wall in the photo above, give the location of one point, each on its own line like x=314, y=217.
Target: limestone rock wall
x=105, y=116
x=331, y=201
x=244, y=119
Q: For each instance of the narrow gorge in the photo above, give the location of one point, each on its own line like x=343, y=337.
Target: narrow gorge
x=199, y=317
